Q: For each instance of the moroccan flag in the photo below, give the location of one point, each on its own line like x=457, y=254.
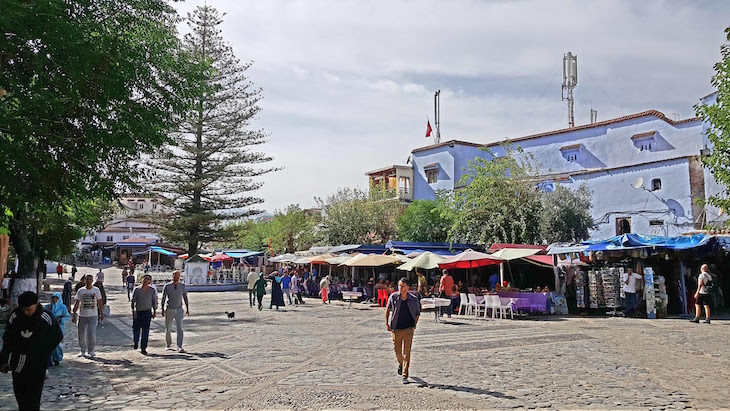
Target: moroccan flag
x=428, y=128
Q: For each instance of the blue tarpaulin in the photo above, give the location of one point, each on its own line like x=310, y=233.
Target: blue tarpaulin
x=239, y=254
x=156, y=249
x=636, y=241
x=436, y=248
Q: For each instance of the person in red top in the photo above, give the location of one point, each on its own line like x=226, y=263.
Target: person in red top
x=59, y=270
x=447, y=284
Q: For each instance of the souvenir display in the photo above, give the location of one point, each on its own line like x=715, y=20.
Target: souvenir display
x=649, y=293
x=610, y=278
x=595, y=289
x=662, y=298
x=580, y=288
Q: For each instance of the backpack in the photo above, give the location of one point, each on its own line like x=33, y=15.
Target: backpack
x=709, y=285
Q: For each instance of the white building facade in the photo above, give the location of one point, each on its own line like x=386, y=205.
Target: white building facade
x=644, y=171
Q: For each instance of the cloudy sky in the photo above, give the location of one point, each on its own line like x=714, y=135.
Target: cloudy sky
x=347, y=85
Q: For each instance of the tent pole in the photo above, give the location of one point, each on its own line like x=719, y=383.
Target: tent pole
x=501, y=273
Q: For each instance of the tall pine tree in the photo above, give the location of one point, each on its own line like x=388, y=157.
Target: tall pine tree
x=206, y=176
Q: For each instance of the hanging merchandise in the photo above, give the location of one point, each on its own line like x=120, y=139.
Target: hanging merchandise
x=580, y=288
x=611, y=279
x=649, y=293
x=662, y=298
x=595, y=289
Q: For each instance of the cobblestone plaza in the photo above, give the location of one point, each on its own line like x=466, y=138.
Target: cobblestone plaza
x=330, y=357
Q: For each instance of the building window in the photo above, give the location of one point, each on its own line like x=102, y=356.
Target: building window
x=656, y=184
x=109, y=238
x=432, y=176
x=623, y=225
x=140, y=204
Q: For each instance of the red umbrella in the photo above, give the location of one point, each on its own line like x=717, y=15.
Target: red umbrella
x=470, y=259
x=220, y=257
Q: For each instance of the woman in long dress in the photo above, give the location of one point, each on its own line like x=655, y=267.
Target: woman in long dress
x=277, y=296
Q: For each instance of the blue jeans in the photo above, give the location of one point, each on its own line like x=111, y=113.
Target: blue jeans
x=630, y=304
x=142, y=322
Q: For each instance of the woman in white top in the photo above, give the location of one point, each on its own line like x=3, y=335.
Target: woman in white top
x=702, y=296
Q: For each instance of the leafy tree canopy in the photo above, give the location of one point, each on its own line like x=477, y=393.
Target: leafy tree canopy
x=86, y=87
x=422, y=221
x=718, y=116
x=566, y=215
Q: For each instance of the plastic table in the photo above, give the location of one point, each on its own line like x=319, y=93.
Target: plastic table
x=435, y=303
x=350, y=295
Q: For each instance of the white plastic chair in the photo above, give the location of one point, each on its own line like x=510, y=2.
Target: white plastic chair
x=464, y=304
x=472, y=304
x=505, y=305
x=491, y=302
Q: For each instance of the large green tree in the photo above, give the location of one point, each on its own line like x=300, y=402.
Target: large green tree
x=86, y=87
x=718, y=117
x=207, y=173
x=353, y=216
x=566, y=215
x=422, y=221
x=498, y=202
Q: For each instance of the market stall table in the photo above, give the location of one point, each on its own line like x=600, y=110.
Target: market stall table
x=435, y=303
x=350, y=295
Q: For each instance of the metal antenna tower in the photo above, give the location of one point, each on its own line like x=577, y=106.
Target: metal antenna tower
x=570, y=81
x=437, y=116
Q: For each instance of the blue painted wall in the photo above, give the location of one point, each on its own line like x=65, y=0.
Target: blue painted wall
x=609, y=162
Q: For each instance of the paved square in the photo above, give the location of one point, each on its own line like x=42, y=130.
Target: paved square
x=329, y=357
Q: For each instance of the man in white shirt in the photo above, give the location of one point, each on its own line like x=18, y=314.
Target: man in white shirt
x=702, y=296
x=251, y=285
x=92, y=309
x=630, y=290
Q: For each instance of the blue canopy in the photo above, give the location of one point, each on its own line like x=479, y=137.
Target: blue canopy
x=436, y=248
x=241, y=254
x=156, y=249
x=635, y=241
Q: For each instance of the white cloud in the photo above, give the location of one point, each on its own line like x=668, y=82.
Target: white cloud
x=347, y=85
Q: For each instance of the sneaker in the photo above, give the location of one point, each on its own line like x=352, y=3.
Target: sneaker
x=81, y=354
x=181, y=350
x=695, y=320
x=144, y=352
x=400, y=370
x=168, y=348
x=405, y=379
x=136, y=346
x=707, y=321
x=92, y=354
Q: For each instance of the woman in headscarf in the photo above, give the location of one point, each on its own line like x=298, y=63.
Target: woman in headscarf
x=324, y=288
x=67, y=293
x=277, y=296
x=260, y=287
x=59, y=310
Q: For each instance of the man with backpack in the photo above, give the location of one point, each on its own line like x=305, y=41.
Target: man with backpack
x=702, y=295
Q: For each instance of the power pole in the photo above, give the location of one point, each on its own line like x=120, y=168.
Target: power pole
x=437, y=116
x=570, y=81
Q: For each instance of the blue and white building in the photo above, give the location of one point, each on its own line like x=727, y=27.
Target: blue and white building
x=644, y=170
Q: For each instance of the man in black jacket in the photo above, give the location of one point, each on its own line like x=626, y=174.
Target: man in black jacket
x=30, y=335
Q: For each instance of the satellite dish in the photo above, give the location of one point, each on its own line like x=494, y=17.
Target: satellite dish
x=638, y=183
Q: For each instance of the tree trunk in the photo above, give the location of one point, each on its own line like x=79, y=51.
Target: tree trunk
x=25, y=278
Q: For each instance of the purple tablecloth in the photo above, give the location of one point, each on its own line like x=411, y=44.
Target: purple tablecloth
x=533, y=302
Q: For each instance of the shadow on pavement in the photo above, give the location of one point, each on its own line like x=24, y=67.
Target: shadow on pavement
x=123, y=363
x=172, y=356
x=459, y=388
